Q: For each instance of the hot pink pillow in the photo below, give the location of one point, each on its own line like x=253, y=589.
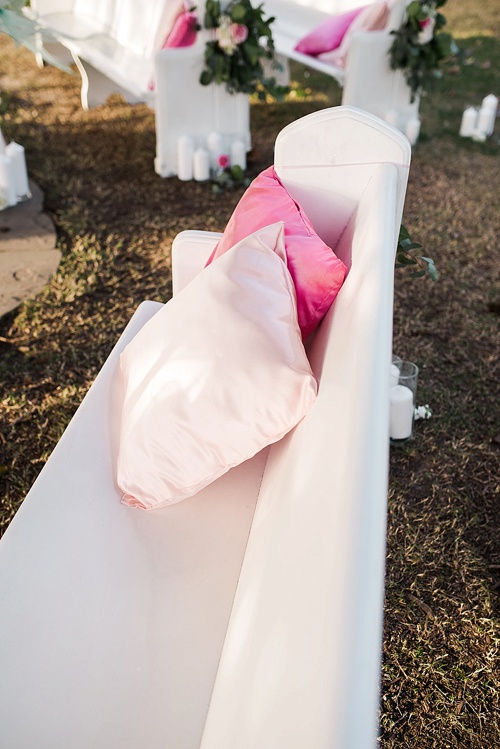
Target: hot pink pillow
x=372, y=18
x=328, y=35
x=184, y=31
x=316, y=271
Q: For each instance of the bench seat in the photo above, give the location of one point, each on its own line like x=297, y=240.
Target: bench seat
x=249, y=615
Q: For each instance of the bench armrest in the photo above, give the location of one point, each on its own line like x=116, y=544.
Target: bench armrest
x=190, y=252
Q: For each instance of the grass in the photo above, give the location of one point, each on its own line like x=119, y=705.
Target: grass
x=115, y=222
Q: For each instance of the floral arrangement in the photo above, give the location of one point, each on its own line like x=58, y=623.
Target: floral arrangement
x=420, y=46
x=227, y=176
x=241, y=41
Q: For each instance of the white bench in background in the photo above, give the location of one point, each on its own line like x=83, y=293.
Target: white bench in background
x=367, y=80
x=112, y=42
x=249, y=615
x=117, y=48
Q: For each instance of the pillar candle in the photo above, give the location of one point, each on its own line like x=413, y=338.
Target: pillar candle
x=392, y=118
x=7, y=180
x=20, y=173
x=185, y=158
x=238, y=154
x=484, y=121
x=201, y=165
x=215, y=148
x=394, y=374
x=468, y=124
x=490, y=102
x=401, y=413
x=412, y=130
x=486, y=117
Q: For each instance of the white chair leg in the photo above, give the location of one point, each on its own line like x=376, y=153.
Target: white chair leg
x=96, y=87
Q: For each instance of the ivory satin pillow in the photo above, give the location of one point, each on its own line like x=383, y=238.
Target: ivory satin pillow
x=316, y=271
x=328, y=35
x=216, y=375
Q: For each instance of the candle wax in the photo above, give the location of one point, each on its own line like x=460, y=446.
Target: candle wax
x=201, y=165
x=401, y=413
x=185, y=158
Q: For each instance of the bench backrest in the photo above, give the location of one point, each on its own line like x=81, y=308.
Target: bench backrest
x=113, y=621
x=142, y=27
x=361, y=141
x=308, y=607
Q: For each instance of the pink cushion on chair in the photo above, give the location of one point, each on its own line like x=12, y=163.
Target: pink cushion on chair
x=327, y=35
x=372, y=18
x=216, y=375
x=184, y=31
x=317, y=272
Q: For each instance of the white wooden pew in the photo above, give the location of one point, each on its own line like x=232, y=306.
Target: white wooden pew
x=367, y=80
x=249, y=615
x=117, y=48
x=112, y=42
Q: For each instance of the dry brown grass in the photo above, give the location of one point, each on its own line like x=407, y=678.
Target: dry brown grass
x=116, y=220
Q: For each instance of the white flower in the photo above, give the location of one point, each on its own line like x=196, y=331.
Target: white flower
x=224, y=35
x=427, y=29
x=229, y=34
x=422, y=412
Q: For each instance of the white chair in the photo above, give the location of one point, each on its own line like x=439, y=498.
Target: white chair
x=249, y=615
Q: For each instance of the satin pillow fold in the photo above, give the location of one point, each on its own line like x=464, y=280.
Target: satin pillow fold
x=372, y=18
x=216, y=375
x=328, y=35
x=184, y=31
x=316, y=271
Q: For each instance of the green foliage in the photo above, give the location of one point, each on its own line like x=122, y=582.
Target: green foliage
x=406, y=257
x=228, y=178
x=242, y=40
x=419, y=45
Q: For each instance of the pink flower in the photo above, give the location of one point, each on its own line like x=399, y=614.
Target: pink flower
x=223, y=160
x=427, y=30
x=239, y=33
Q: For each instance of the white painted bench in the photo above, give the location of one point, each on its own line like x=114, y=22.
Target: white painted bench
x=117, y=48
x=112, y=42
x=367, y=80
x=249, y=615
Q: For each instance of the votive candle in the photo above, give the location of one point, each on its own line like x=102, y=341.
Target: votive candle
x=215, y=147
x=401, y=413
x=468, y=124
x=20, y=173
x=7, y=180
x=201, y=165
x=185, y=158
x=238, y=154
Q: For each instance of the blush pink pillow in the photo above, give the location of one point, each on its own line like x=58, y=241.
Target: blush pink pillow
x=316, y=271
x=215, y=376
x=184, y=31
x=327, y=35
x=372, y=18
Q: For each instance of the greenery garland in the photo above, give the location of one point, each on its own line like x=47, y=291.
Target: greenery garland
x=242, y=40
x=420, y=46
